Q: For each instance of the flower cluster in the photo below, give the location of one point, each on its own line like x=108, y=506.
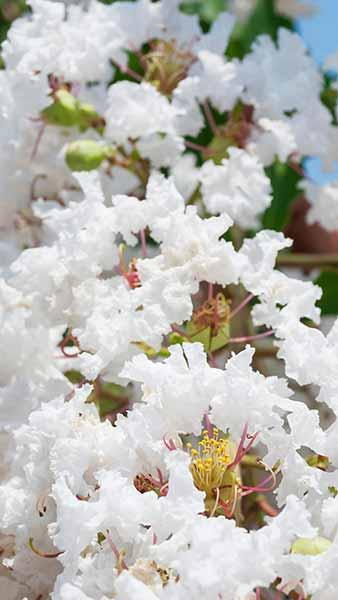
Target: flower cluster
x=150, y=450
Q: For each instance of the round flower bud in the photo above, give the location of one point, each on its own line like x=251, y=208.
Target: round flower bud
x=85, y=155
x=310, y=546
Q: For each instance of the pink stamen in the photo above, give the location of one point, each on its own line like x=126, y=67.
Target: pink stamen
x=115, y=551
x=242, y=450
x=154, y=538
x=240, y=445
x=127, y=70
x=208, y=425
x=241, y=305
x=267, y=508
x=164, y=489
x=153, y=481
x=260, y=488
x=143, y=243
x=251, y=338
x=170, y=444
x=258, y=594
x=228, y=513
x=160, y=476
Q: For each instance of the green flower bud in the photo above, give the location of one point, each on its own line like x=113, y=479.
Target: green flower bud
x=85, y=155
x=63, y=111
x=310, y=546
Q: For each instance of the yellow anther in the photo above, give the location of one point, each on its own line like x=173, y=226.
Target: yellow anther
x=210, y=461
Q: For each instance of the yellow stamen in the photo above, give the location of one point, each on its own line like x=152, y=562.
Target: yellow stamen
x=210, y=461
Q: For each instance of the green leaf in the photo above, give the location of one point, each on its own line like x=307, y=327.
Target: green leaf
x=207, y=10
x=284, y=182
x=329, y=96
x=328, y=281
x=264, y=19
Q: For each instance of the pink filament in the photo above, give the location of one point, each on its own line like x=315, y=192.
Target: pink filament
x=241, y=305
x=251, y=338
x=242, y=450
x=170, y=444
x=208, y=425
x=143, y=243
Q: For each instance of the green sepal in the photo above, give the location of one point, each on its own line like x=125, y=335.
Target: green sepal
x=74, y=376
x=63, y=111
x=197, y=334
x=176, y=338
x=204, y=336
x=218, y=148
x=89, y=117
x=151, y=352
x=100, y=538
x=318, y=461
x=221, y=339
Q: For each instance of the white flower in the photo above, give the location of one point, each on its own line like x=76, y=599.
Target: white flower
x=237, y=187
x=323, y=204
x=182, y=387
x=218, y=80
x=271, y=139
x=279, y=79
x=137, y=110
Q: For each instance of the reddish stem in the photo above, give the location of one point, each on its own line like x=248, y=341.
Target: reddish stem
x=251, y=338
x=143, y=243
x=197, y=147
x=38, y=140
x=210, y=118
x=210, y=291
x=240, y=306
x=127, y=71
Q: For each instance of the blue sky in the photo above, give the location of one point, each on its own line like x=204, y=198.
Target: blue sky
x=321, y=36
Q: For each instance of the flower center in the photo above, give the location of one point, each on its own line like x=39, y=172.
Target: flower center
x=210, y=461
x=166, y=65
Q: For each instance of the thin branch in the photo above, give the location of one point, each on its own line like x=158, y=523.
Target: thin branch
x=210, y=118
x=296, y=260
x=250, y=338
x=241, y=305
